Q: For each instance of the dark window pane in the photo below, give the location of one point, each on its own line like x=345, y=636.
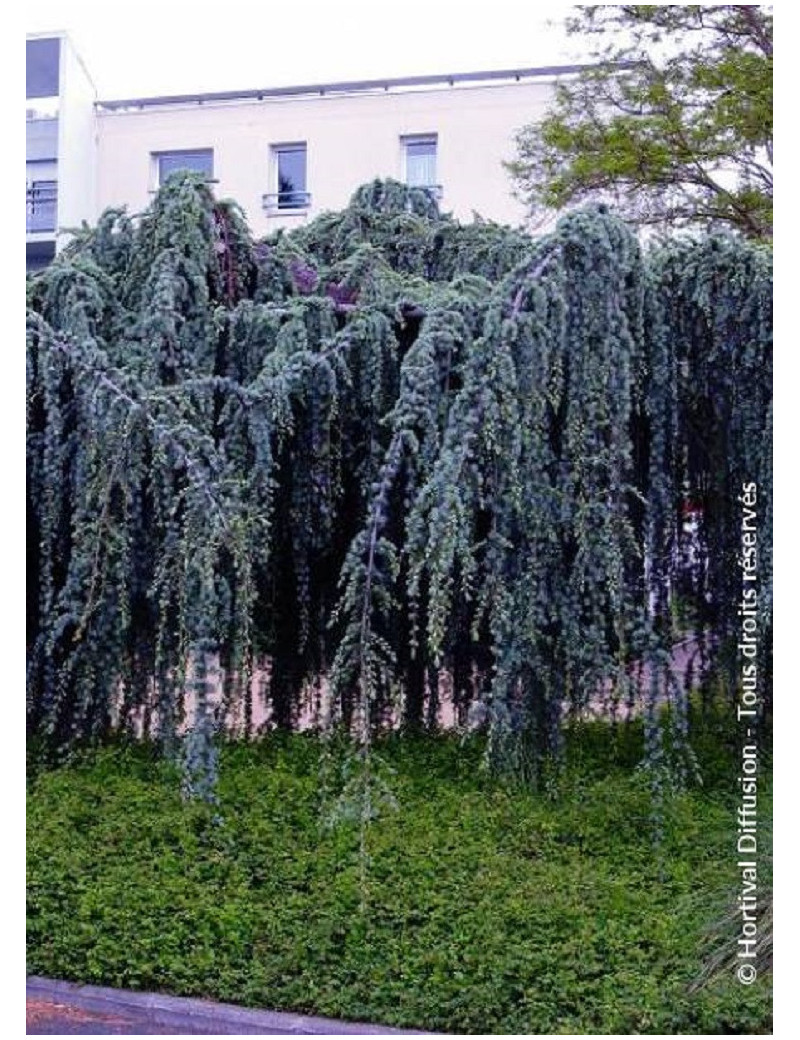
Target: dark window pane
x=291, y=177
x=41, y=67
x=198, y=162
x=38, y=255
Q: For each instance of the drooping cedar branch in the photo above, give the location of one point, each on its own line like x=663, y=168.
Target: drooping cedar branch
x=388, y=449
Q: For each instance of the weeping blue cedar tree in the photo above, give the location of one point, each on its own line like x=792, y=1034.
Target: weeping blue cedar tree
x=395, y=451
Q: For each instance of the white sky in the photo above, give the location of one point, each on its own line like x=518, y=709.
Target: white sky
x=150, y=48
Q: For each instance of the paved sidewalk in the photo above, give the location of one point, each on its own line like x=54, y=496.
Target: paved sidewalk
x=68, y=1008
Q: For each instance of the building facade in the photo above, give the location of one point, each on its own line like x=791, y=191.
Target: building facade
x=284, y=154
x=61, y=134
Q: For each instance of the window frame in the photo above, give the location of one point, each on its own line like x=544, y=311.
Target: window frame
x=431, y=138
x=272, y=201
x=157, y=156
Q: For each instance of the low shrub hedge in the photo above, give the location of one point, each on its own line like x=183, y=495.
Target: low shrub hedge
x=488, y=909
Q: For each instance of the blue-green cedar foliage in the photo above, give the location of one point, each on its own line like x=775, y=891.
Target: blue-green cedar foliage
x=386, y=448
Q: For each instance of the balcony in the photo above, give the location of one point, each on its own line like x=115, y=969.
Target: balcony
x=436, y=191
x=40, y=207
x=283, y=201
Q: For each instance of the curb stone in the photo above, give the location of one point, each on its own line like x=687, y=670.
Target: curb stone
x=197, y=1015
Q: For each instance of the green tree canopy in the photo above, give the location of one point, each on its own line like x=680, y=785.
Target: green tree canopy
x=673, y=124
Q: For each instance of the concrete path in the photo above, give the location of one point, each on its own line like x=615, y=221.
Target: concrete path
x=66, y=1008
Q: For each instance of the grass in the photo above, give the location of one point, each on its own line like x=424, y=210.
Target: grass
x=489, y=909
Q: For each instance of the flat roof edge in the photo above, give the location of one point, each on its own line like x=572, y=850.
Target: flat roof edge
x=345, y=87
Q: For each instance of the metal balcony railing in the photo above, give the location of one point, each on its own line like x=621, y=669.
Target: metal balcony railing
x=434, y=190
x=40, y=207
x=286, y=200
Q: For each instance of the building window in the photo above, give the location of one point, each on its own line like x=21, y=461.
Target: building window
x=42, y=67
x=39, y=254
x=419, y=156
x=289, y=178
x=197, y=161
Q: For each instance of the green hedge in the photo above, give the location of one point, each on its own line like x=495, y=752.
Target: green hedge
x=489, y=910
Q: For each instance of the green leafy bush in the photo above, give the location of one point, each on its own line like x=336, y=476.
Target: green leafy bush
x=488, y=909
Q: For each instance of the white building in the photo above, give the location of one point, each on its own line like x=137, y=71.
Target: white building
x=284, y=154
x=61, y=144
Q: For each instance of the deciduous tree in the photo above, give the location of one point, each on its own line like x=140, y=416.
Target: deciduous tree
x=673, y=123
